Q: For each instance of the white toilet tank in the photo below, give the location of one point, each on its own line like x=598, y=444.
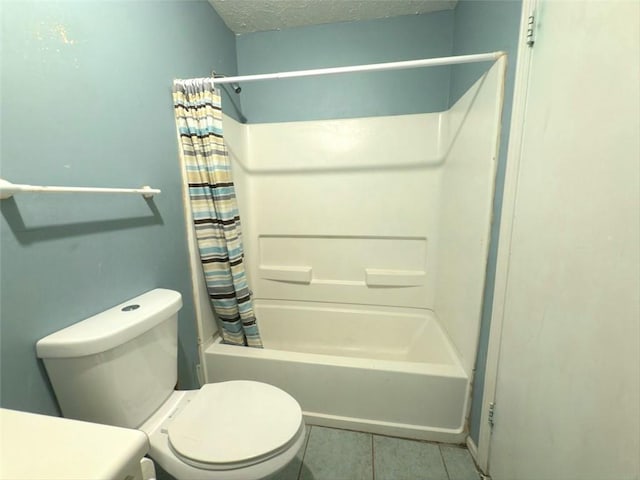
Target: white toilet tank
x=118, y=366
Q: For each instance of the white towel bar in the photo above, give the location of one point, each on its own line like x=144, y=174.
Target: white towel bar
x=8, y=189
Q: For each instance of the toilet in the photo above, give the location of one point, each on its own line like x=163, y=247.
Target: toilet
x=119, y=368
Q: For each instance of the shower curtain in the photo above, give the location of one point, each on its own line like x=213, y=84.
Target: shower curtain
x=216, y=219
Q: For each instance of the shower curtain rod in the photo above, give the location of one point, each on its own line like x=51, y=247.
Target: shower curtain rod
x=426, y=62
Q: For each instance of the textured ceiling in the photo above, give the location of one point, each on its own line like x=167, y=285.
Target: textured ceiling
x=244, y=16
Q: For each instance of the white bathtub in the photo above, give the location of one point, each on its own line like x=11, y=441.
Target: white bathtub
x=382, y=370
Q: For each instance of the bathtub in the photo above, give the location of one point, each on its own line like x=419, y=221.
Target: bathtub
x=382, y=370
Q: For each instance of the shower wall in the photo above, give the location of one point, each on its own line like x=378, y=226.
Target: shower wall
x=392, y=211
x=342, y=210
x=472, y=130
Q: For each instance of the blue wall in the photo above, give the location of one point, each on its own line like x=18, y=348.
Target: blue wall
x=86, y=101
x=486, y=26
x=340, y=44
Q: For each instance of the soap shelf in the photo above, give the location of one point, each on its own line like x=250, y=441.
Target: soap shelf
x=374, y=277
x=302, y=274
x=8, y=190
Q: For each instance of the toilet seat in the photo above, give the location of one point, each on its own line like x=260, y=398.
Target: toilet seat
x=232, y=425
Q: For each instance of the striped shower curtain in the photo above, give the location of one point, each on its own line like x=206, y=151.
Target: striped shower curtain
x=215, y=211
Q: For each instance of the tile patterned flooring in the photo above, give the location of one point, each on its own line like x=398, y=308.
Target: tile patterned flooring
x=331, y=454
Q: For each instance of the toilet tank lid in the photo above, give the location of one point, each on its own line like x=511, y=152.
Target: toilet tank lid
x=112, y=327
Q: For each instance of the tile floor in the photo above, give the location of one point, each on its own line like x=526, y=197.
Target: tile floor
x=331, y=454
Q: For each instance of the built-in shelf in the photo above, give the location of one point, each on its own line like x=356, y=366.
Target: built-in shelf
x=302, y=274
x=376, y=277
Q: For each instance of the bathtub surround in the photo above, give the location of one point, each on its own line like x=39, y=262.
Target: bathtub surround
x=373, y=261
x=467, y=185
x=474, y=26
x=216, y=220
x=95, y=77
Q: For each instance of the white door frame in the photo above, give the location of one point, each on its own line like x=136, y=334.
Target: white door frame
x=506, y=226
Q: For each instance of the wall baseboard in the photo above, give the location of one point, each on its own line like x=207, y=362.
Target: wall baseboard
x=473, y=450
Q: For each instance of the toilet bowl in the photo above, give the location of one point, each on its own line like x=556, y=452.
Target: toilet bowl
x=192, y=437
x=119, y=368
x=191, y=440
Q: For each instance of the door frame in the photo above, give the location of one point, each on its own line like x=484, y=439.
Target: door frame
x=516, y=137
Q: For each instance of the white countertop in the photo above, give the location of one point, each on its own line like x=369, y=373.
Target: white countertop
x=40, y=447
